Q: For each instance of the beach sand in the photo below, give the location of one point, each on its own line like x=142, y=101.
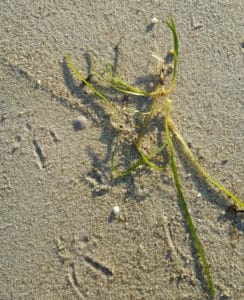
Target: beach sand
x=59, y=239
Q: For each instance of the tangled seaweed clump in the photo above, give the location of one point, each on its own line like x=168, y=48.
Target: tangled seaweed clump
x=160, y=105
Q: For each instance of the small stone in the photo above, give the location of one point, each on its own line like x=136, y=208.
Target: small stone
x=15, y=147
x=39, y=82
x=80, y=123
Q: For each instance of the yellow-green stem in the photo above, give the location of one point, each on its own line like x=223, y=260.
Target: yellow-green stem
x=198, y=167
x=196, y=241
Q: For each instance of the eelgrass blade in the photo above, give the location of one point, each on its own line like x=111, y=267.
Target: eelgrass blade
x=196, y=241
x=140, y=162
x=200, y=168
x=147, y=161
x=125, y=88
x=119, y=85
x=90, y=86
x=161, y=91
x=148, y=118
x=171, y=25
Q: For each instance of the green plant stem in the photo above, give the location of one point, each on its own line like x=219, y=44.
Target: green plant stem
x=198, y=167
x=171, y=25
x=90, y=86
x=147, y=119
x=147, y=160
x=196, y=241
x=140, y=162
x=121, y=86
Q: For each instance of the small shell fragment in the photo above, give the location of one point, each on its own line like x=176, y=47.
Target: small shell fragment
x=116, y=210
x=154, y=20
x=171, y=52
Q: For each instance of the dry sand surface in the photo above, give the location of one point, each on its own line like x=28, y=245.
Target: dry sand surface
x=58, y=238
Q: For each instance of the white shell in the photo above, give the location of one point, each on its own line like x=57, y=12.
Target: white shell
x=116, y=210
x=154, y=20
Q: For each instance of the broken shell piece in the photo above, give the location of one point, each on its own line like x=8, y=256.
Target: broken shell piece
x=154, y=20
x=116, y=210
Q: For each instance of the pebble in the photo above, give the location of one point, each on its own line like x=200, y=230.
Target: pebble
x=116, y=210
x=154, y=20
x=80, y=123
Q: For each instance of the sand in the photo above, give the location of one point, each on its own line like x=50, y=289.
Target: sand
x=59, y=239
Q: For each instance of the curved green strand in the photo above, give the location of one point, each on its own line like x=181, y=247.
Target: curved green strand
x=140, y=162
x=90, y=86
x=171, y=25
x=147, y=161
x=121, y=86
x=199, y=167
x=196, y=241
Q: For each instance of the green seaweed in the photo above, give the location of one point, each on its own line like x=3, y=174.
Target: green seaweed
x=161, y=104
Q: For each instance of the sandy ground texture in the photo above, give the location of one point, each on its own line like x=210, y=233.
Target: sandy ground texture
x=58, y=237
